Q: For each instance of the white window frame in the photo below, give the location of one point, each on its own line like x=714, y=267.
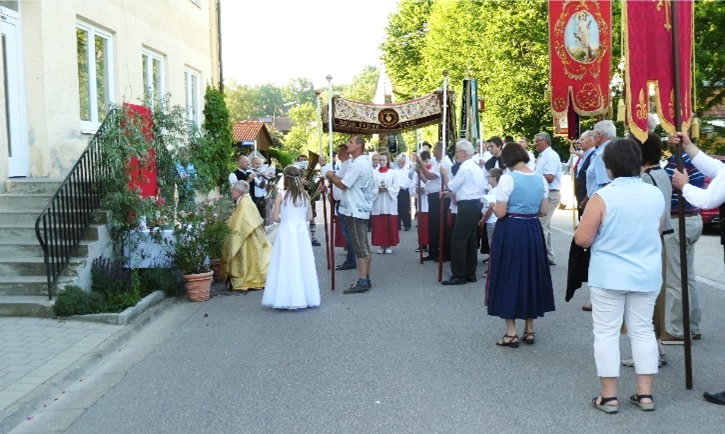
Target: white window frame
x=195, y=115
x=92, y=126
x=149, y=56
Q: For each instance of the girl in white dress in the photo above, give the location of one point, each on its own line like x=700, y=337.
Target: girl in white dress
x=292, y=278
x=385, y=207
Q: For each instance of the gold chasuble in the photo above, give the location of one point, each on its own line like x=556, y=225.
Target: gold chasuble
x=247, y=250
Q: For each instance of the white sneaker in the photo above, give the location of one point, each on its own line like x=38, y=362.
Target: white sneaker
x=389, y=250
x=380, y=250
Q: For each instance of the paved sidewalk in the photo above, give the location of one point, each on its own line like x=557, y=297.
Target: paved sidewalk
x=33, y=350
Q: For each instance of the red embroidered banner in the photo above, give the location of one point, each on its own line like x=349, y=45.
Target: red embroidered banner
x=647, y=27
x=580, y=53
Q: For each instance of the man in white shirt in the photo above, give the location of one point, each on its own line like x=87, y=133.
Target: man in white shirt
x=359, y=187
x=467, y=188
x=548, y=165
x=709, y=198
x=260, y=187
x=343, y=165
x=401, y=177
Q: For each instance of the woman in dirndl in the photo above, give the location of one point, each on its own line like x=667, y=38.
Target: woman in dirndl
x=519, y=280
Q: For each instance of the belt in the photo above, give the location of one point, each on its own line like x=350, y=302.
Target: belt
x=687, y=214
x=469, y=202
x=554, y=190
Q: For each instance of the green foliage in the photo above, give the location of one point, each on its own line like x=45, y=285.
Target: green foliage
x=284, y=158
x=73, y=300
x=118, y=286
x=239, y=100
x=211, y=156
x=199, y=233
x=159, y=279
x=363, y=85
x=299, y=91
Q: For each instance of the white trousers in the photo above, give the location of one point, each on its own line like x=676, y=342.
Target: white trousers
x=636, y=308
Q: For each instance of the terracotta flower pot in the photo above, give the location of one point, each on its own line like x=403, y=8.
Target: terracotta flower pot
x=198, y=286
x=216, y=267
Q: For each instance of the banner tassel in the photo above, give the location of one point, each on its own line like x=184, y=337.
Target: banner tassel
x=621, y=110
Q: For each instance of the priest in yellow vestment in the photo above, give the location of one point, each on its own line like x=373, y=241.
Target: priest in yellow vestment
x=247, y=250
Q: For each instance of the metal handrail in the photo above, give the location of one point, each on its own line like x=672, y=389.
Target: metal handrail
x=61, y=225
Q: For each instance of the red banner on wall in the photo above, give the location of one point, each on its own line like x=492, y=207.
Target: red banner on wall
x=647, y=27
x=580, y=53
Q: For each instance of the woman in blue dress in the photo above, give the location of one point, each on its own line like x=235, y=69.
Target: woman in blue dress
x=519, y=283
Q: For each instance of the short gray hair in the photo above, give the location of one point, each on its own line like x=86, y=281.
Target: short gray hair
x=465, y=145
x=586, y=134
x=544, y=136
x=242, y=186
x=606, y=128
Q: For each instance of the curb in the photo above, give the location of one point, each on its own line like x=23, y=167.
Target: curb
x=124, y=317
x=34, y=401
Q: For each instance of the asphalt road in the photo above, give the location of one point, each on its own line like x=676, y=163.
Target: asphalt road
x=409, y=356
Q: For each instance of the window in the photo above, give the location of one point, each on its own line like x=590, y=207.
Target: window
x=193, y=107
x=154, y=77
x=95, y=75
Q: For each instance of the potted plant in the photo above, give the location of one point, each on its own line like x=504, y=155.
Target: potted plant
x=215, y=212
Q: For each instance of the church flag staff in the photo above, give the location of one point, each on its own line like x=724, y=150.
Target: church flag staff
x=444, y=125
x=681, y=201
x=331, y=253
x=329, y=247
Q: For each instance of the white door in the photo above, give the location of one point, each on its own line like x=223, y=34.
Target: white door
x=14, y=89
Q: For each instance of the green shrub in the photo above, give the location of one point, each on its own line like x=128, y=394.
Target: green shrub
x=75, y=301
x=159, y=279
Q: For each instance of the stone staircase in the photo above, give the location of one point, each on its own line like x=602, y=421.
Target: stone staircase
x=23, y=280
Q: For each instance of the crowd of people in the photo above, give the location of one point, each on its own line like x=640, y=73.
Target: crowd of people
x=497, y=199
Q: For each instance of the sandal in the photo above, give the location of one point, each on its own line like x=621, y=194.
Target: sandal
x=528, y=338
x=513, y=341
x=609, y=409
x=645, y=406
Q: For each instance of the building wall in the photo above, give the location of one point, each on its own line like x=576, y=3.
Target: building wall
x=3, y=132
x=182, y=32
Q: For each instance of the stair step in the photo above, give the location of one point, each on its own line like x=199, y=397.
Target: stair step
x=24, y=285
x=29, y=216
x=26, y=305
x=9, y=249
x=25, y=233
x=13, y=201
x=33, y=185
x=32, y=266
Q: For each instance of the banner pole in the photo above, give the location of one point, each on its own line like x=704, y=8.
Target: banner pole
x=331, y=258
x=444, y=146
x=681, y=204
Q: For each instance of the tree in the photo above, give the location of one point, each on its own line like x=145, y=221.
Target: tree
x=266, y=99
x=363, y=85
x=298, y=91
x=212, y=157
x=239, y=100
x=304, y=132
x=406, y=37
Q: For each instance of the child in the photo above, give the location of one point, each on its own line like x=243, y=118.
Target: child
x=385, y=207
x=292, y=277
x=489, y=218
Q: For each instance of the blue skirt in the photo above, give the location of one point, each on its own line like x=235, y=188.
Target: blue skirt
x=519, y=280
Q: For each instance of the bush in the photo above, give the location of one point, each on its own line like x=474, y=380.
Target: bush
x=118, y=287
x=159, y=279
x=75, y=301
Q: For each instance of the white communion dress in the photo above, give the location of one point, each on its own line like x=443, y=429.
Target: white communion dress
x=292, y=277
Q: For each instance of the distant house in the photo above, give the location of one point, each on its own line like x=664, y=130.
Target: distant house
x=245, y=133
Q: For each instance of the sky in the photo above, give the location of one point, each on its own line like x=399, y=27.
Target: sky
x=271, y=41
